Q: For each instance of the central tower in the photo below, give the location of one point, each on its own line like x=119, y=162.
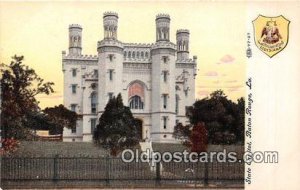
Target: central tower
x=110, y=61
x=163, y=82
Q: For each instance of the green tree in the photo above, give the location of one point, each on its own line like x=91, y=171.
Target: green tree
x=20, y=84
x=60, y=117
x=223, y=118
x=117, y=128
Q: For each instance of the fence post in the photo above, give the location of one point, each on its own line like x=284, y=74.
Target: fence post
x=158, y=178
x=205, y=174
x=107, y=169
x=55, y=168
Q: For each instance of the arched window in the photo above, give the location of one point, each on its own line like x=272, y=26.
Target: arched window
x=125, y=54
x=138, y=54
x=136, y=95
x=135, y=102
x=133, y=54
x=94, y=102
x=129, y=54
x=146, y=54
x=142, y=55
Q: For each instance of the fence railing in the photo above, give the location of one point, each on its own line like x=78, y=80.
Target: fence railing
x=107, y=169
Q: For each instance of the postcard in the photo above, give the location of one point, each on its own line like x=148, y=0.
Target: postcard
x=150, y=94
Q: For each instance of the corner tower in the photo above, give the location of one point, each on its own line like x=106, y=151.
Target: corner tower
x=182, y=40
x=110, y=61
x=163, y=82
x=75, y=38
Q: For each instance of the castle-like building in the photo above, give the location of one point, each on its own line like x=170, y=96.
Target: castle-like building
x=157, y=81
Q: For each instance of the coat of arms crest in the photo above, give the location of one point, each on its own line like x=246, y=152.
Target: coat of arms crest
x=271, y=34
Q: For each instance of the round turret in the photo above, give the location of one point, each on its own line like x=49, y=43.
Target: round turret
x=162, y=27
x=182, y=40
x=75, y=39
x=110, y=23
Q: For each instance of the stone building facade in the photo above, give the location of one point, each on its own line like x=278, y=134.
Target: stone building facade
x=157, y=81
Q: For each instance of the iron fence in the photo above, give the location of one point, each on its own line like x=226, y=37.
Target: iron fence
x=107, y=171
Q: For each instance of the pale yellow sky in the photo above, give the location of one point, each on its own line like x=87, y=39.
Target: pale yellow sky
x=39, y=31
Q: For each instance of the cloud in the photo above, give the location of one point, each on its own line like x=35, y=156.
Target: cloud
x=226, y=59
x=211, y=74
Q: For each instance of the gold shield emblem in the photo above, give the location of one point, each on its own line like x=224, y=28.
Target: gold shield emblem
x=271, y=34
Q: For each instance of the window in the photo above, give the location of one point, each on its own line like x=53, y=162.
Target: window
x=73, y=129
x=93, y=102
x=142, y=55
x=74, y=72
x=186, y=92
x=146, y=54
x=165, y=118
x=165, y=59
x=96, y=73
x=165, y=73
x=165, y=100
x=111, y=74
x=111, y=57
x=110, y=95
x=136, y=103
x=73, y=107
x=93, y=125
x=74, y=86
x=176, y=103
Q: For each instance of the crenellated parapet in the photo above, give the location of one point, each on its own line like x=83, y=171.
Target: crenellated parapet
x=186, y=62
x=163, y=15
x=107, y=45
x=137, y=45
x=79, y=57
x=165, y=46
x=137, y=52
x=75, y=26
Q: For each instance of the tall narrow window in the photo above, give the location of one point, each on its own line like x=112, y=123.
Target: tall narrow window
x=74, y=86
x=177, y=104
x=73, y=130
x=93, y=125
x=165, y=74
x=96, y=73
x=165, y=59
x=111, y=71
x=165, y=96
x=110, y=95
x=165, y=118
x=93, y=102
x=73, y=107
x=111, y=57
x=74, y=72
